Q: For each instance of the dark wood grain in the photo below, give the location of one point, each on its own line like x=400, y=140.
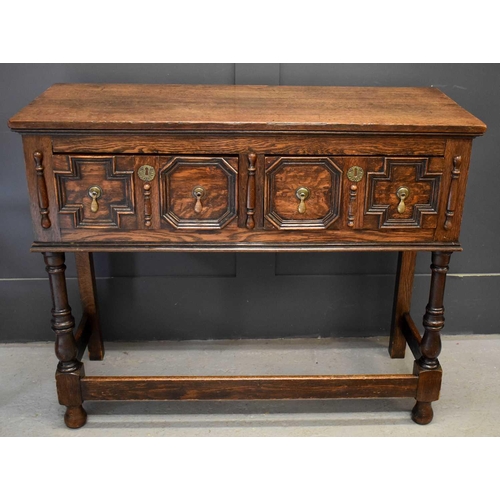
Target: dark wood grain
x=242, y=107
x=211, y=142
x=402, y=302
x=241, y=237
x=256, y=387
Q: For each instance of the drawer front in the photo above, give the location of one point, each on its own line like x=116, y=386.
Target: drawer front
x=403, y=193
x=302, y=193
x=352, y=193
x=127, y=192
x=254, y=199
x=198, y=192
x=95, y=192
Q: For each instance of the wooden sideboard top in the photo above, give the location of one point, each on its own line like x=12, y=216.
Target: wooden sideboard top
x=245, y=108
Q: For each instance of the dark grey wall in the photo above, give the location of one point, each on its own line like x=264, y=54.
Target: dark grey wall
x=231, y=296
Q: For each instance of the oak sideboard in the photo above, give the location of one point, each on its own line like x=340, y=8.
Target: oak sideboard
x=201, y=168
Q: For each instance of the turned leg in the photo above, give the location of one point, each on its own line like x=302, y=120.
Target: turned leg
x=402, y=302
x=427, y=367
x=69, y=369
x=88, y=294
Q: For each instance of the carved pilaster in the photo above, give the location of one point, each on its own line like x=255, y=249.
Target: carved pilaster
x=452, y=195
x=147, y=205
x=250, y=223
x=43, y=197
x=352, y=201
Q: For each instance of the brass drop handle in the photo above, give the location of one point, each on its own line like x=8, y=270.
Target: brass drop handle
x=402, y=193
x=95, y=192
x=198, y=193
x=302, y=194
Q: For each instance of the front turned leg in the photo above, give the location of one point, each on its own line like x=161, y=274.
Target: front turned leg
x=69, y=369
x=427, y=367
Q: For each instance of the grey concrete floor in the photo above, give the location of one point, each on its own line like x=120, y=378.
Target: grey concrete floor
x=469, y=404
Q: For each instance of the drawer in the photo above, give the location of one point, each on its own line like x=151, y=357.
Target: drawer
x=198, y=192
x=128, y=192
x=302, y=193
x=95, y=192
x=403, y=193
x=352, y=193
x=169, y=198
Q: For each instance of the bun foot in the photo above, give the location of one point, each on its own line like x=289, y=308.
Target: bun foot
x=75, y=417
x=422, y=413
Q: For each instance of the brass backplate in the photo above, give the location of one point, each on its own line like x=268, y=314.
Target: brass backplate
x=198, y=192
x=355, y=174
x=302, y=193
x=95, y=192
x=146, y=173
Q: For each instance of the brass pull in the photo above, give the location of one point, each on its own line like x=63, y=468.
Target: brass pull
x=302, y=194
x=402, y=193
x=198, y=193
x=95, y=193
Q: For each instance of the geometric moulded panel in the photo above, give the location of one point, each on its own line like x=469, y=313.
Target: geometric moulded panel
x=199, y=192
x=302, y=193
x=420, y=196
x=115, y=187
